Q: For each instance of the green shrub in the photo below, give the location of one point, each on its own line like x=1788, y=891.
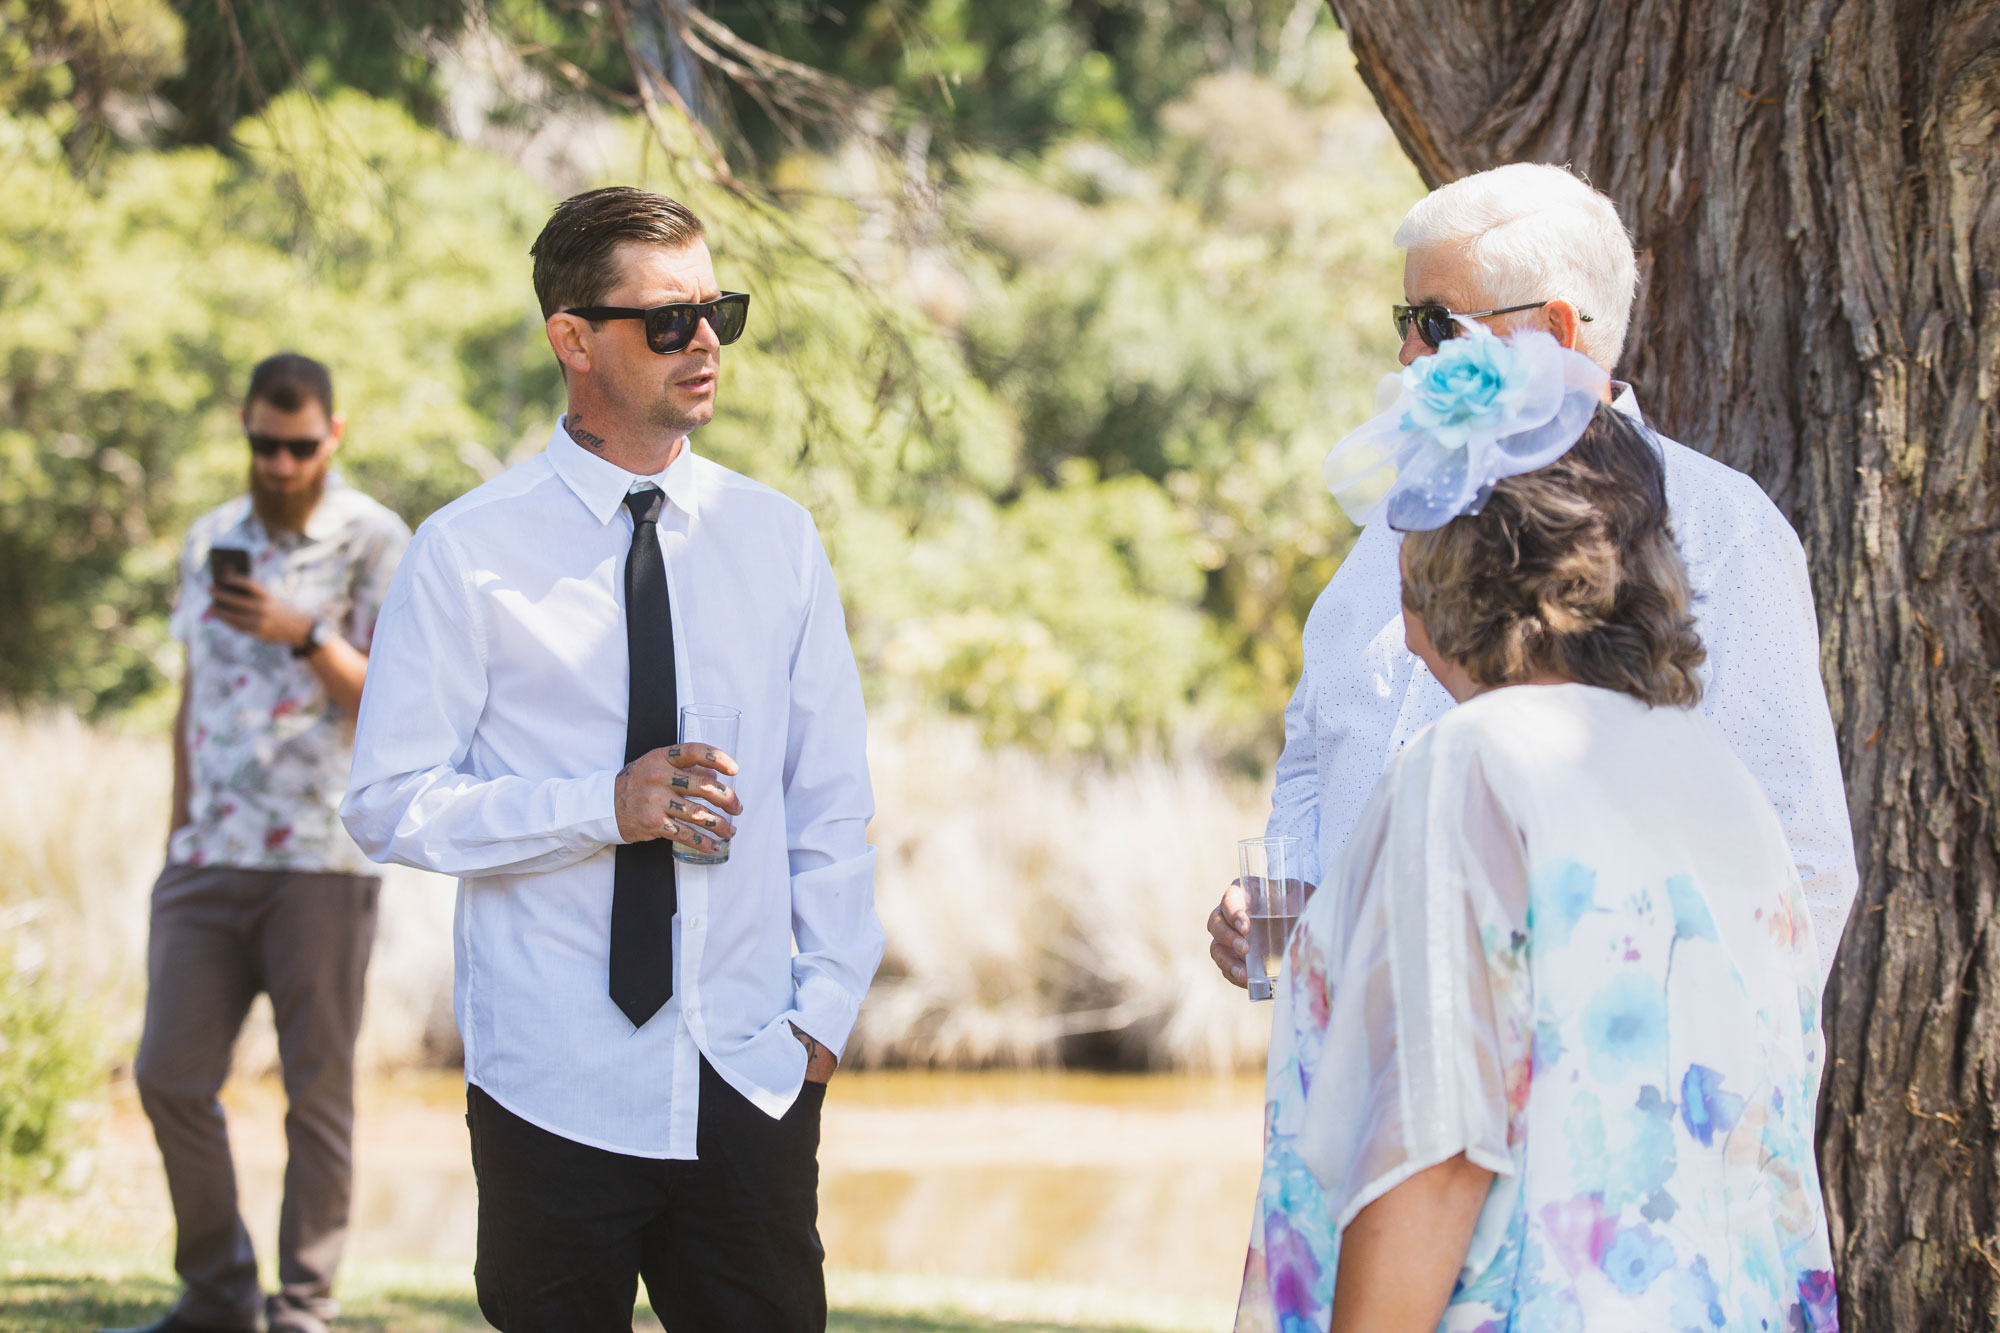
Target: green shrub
x=49, y=1063
x=1064, y=447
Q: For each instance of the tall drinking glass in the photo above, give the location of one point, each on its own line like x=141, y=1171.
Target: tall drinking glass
x=1273, y=880
x=710, y=724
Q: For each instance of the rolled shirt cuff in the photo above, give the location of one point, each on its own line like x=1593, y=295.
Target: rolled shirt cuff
x=825, y=1012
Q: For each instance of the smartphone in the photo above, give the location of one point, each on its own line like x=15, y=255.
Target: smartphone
x=226, y=564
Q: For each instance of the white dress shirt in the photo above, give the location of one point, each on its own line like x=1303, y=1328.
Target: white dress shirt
x=1363, y=695
x=491, y=733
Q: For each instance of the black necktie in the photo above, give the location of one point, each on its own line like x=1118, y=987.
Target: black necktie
x=642, y=887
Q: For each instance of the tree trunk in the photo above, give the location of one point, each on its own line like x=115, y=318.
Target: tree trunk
x=1813, y=189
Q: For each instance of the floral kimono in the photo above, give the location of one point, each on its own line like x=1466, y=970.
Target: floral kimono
x=1567, y=941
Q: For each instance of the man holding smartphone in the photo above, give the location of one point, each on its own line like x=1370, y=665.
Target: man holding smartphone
x=263, y=890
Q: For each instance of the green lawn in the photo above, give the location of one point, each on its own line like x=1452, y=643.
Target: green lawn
x=66, y=1289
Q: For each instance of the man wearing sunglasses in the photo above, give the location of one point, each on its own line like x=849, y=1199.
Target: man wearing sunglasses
x=1532, y=246
x=263, y=889
x=647, y=1040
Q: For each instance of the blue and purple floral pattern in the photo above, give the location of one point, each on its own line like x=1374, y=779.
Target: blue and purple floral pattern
x=1658, y=1168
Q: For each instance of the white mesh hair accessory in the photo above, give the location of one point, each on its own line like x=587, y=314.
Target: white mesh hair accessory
x=1478, y=409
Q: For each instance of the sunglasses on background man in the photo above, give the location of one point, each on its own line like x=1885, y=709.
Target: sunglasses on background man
x=1435, y=323
x=670, y=328
x=267, y=446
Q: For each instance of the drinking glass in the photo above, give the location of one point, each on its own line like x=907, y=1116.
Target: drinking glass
x=1273, y=880
x=710, y=724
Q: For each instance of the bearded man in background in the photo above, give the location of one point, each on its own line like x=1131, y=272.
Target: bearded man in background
x=263, y=889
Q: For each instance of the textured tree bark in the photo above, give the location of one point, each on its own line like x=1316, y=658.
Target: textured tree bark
x=1814, y=188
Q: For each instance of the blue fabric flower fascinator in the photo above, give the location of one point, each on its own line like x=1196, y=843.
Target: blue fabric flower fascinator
x=1478, y=409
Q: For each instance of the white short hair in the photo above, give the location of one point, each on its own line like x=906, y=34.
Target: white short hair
x=1535, y=232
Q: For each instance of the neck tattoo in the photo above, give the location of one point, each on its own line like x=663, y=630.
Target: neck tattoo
x=588, y=439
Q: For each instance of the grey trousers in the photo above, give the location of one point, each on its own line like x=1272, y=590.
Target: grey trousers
x=221, y=934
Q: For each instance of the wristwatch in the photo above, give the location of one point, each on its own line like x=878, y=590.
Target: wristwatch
x=316, y=634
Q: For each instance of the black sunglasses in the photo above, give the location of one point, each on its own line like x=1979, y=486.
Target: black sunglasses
x=267, y=446
x=1435, y=324
x=670, y=328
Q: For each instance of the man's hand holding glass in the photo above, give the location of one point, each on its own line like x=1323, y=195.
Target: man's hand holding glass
x=661, y=794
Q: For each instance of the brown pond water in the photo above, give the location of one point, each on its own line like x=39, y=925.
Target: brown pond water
x=1135, y=1183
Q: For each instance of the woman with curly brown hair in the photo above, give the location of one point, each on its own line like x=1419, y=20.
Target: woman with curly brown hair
x=1547, y=1048
x=1568, y=573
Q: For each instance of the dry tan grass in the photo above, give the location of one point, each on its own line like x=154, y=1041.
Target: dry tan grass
x=83, y=828
x=83, y=832
x=1028, y=906
x=1027, y=903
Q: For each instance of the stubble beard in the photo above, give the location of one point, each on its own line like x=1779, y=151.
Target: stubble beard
x=644, y=405
x=675, y=419
x=679, y=421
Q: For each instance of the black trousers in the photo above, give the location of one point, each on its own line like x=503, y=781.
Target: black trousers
x=729, y=1241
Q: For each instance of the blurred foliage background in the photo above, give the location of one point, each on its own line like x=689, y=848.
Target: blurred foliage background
x=1057, y=307
x=1052, y=325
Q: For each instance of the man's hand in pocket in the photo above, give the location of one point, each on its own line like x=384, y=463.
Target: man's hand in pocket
x=820, y=1062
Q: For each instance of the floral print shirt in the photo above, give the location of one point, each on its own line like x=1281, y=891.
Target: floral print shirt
x=1567, y=941
x=268, y=751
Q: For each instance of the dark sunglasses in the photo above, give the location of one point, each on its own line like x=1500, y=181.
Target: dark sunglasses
x=1435, y=324
x=670, y=328
x=267, y=446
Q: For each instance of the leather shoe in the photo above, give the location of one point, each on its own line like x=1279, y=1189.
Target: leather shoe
x=173, y=1323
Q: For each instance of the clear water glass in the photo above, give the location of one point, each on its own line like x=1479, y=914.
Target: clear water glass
x=1273, y=879
x=716, y=725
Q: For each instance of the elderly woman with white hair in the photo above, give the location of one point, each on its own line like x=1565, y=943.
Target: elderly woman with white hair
x=1546, y=1048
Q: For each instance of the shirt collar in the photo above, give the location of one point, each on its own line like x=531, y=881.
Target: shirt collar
x=1624, y=400
x=602, y=484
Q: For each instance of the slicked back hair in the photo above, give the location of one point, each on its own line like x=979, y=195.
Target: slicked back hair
x=1569, y=570
x=576, y=254
x=288, y=381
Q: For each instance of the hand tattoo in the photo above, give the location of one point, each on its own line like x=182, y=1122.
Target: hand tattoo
x=679, y=782
x=590, y=439
x=698, y=815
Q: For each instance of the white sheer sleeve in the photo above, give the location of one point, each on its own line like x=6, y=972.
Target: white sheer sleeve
x=1427, y=1044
